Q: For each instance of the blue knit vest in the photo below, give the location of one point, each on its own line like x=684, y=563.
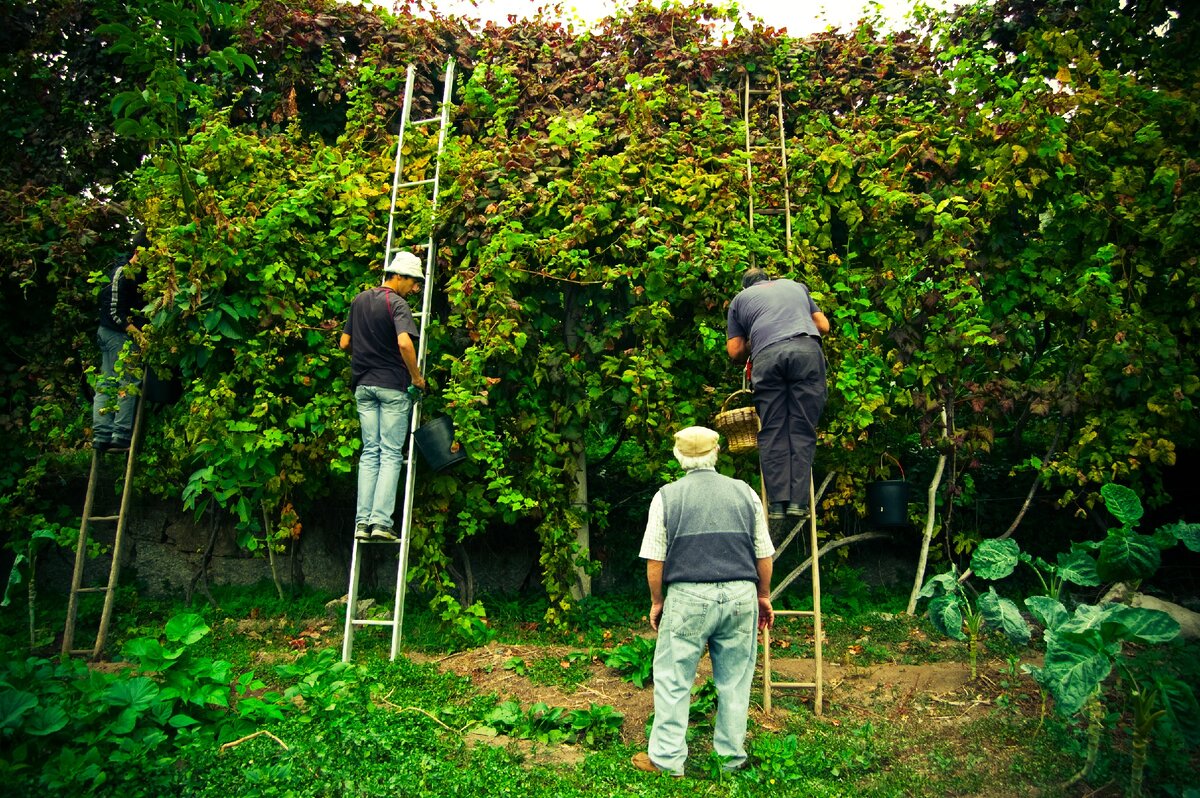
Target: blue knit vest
x=710, y=529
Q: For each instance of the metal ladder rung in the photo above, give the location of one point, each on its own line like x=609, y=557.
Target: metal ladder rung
x=414, y=183
x=366, y=622
x=770, y=212
x=414, y=122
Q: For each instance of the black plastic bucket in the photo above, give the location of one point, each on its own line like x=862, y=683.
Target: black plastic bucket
x=435, y=439
x=887, y=502
x=164, y=389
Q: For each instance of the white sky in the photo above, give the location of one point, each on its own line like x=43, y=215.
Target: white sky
x=799, y=17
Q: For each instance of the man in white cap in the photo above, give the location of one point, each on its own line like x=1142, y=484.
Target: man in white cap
x=707, y=549
x=380, y=335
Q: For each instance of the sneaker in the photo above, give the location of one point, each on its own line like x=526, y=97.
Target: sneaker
x=642, y=761
x=794, y=510
x=382, y=533
x=362, y=532
x=118, y=446
x=776, y=511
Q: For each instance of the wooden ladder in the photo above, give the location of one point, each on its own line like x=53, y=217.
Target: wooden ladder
x=81, y=548
x=771, y=157
x=817, y=684
x=399, y=183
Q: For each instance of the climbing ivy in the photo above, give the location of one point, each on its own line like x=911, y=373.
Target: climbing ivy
x=996, y=209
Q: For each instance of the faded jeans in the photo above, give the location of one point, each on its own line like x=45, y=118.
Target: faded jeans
x=111, y=424
x=725, y=616
x=383, y=415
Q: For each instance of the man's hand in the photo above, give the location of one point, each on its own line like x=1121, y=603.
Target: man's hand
x=766, y=614
x=656, y=611
x=419, y=381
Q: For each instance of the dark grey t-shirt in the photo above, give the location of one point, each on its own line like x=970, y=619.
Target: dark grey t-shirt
x=377, y=317
x=772, y=311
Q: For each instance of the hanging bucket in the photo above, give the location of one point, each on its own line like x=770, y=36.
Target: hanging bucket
x=163, y=389
x=435, y=439
x=887, y=502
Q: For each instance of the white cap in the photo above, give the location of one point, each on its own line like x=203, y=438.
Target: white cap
x=695, y=442
x=406, y=264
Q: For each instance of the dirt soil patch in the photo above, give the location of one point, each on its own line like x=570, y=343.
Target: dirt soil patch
x=939, y=692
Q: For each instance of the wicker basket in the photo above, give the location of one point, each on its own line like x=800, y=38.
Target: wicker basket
x=739, y=426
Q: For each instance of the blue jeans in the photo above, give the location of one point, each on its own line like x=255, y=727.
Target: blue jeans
x=111, y=424
x=383, y=414
x=723, y=615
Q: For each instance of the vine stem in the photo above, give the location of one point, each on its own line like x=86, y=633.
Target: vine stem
x=258, y=733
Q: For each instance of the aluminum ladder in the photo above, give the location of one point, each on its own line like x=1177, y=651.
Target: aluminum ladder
x=762, y=101
x=109, y=589
x=400, y=183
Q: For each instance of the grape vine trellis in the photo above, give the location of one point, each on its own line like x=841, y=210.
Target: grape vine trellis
x=998, y=215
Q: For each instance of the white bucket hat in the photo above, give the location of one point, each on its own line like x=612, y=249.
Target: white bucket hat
x=406, y=264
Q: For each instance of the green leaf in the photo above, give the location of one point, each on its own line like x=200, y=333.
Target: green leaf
x=14, y=704
x=1003, y=613
x=137, y=693
x=1140, y=625
x=1181, y=709
x=943, y=584
x=995, y=559
x=1187, y=534
x=1076, y=664
x=1049, y=612
x=1078, y=568
x=946, y=616
x=1127, y=556
x=46, y=720
x=1123, y=503
x=186, y=628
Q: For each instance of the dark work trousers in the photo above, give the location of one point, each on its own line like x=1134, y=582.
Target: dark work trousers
x=789, y=395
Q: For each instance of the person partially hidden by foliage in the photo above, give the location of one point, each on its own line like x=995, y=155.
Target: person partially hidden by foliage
x=119, y=306
x=776, y=324
x=380, y=335
x=706, y=546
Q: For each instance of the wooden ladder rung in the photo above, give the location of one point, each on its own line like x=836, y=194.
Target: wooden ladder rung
x=104, y=518
x=93, y=590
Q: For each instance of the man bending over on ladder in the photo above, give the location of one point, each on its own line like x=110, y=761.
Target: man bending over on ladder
x=379, y=334
x=778, y=326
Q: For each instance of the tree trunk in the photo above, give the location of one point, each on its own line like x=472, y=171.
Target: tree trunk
x=583, y=534
x=930, y=516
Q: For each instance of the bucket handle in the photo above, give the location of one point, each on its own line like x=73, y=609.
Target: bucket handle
x=894, y=460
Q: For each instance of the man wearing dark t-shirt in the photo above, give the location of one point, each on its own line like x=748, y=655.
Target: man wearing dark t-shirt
x=777, y=325
x=380, y=336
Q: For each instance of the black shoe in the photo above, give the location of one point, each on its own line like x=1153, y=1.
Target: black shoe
x=796, y=510
x=776, y=511
x=119, y=446
x=101, y=446
x=382, y=533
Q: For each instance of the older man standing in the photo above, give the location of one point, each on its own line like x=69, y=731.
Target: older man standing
x=708, y=564
x=379, y=334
